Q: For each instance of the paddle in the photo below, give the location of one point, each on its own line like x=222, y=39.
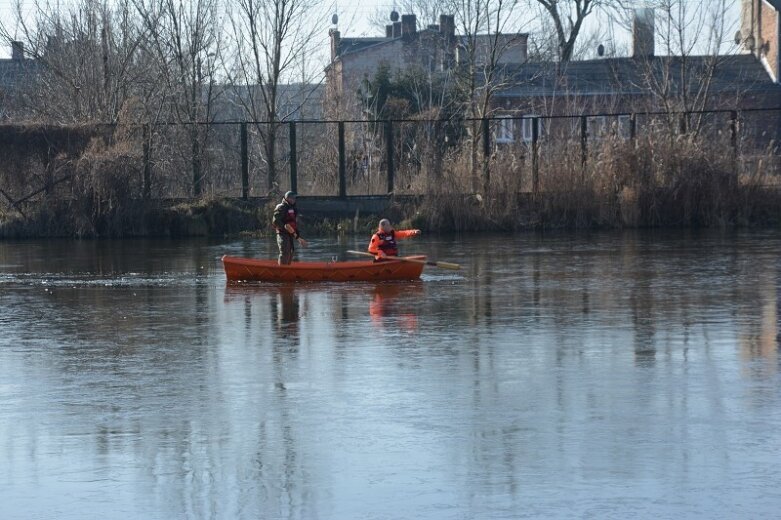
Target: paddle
x=442, y=265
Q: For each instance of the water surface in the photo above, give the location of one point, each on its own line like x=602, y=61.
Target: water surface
x=611, y=375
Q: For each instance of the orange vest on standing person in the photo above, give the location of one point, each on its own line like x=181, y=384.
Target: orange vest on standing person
x=285, y=213
x=386, y=242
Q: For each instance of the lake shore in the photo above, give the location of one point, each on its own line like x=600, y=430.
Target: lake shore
x=331, y=216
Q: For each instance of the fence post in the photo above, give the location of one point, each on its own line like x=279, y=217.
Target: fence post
x=342, y=162
x=146, y=188
x=633, y=128
x=583, y=146
x=389, y=153
x=684, y=123
x=535, y=156
x=244, y=162
x=485, y=128
x=733, y=137
x=293, y=157
x=733, y=131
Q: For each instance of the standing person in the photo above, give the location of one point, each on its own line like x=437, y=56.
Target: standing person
x=286, y=226
x=383, y=242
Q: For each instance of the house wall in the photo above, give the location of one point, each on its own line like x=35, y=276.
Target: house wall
x=769, y=38
x=346, y=73
x=761, y=20
x=512, y=48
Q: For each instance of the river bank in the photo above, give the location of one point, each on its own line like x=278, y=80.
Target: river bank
x=440, y=212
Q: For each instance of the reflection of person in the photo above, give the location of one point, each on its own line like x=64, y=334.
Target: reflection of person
x=286, y=226
x=383, y=242
x=383, y=305
x=288, y=308
x=287, y=311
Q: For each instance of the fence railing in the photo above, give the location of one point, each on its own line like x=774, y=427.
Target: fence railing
x=370, y=157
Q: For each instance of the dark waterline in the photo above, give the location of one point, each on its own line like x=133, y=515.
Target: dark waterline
x=609, y=375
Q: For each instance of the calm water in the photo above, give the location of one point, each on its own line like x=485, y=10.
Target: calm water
x=609, y=376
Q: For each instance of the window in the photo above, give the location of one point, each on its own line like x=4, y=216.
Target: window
x=527, y=125
x=505, y=130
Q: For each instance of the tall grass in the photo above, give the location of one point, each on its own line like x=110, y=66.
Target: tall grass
x=656, y=181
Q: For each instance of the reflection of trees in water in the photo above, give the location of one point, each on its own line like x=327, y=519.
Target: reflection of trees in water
x=759, y=331
x=267, y=463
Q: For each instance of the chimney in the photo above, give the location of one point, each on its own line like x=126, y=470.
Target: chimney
x=396, y=29
x=389, y=31
x=17, y=51
x=643, y=33
x=409, y=26
x=447, y=25
x=336, y=41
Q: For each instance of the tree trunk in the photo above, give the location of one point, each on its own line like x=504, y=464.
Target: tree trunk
x=196, y=162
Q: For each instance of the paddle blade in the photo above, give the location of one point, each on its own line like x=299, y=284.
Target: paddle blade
x=448, y=265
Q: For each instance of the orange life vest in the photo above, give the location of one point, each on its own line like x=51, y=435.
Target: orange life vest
x=385, y=242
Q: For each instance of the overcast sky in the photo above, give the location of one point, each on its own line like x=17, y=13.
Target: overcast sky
x=355, y=19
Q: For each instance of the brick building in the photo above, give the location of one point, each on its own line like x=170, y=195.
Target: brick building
x=644, y=82
x=437, y=49
x=647, y=82
x=759, y=32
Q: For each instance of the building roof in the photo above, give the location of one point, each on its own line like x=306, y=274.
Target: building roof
x=628, y=76
x=349, y=45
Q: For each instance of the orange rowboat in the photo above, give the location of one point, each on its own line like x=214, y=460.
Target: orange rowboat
x=250, y=270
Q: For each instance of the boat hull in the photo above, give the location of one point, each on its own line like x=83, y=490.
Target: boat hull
x=251, y=270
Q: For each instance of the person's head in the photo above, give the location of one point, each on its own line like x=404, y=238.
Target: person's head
x=290, y=196
x=385, y=226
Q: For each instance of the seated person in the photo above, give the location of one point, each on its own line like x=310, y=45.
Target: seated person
x=383, y=243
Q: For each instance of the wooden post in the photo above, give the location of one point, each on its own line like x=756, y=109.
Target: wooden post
x=389, y=153
x=244, y=162
x=293, y=157
x=535, y=156
x=342, y=163
x=684, y=123
x=146, y=188
x=633, y=128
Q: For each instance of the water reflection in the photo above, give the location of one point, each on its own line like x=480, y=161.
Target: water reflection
x=394, y=305
x=559, y=375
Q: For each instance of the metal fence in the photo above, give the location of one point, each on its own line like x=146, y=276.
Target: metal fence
x=346, y=158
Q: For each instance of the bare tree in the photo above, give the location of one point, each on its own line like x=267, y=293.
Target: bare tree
x=488, y=34
x=87, y=59
x=696, y=42
x=184, y=37
x=272, y=39
x=567, y=17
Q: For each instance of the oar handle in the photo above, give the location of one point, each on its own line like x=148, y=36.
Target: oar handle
x=441, y=265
